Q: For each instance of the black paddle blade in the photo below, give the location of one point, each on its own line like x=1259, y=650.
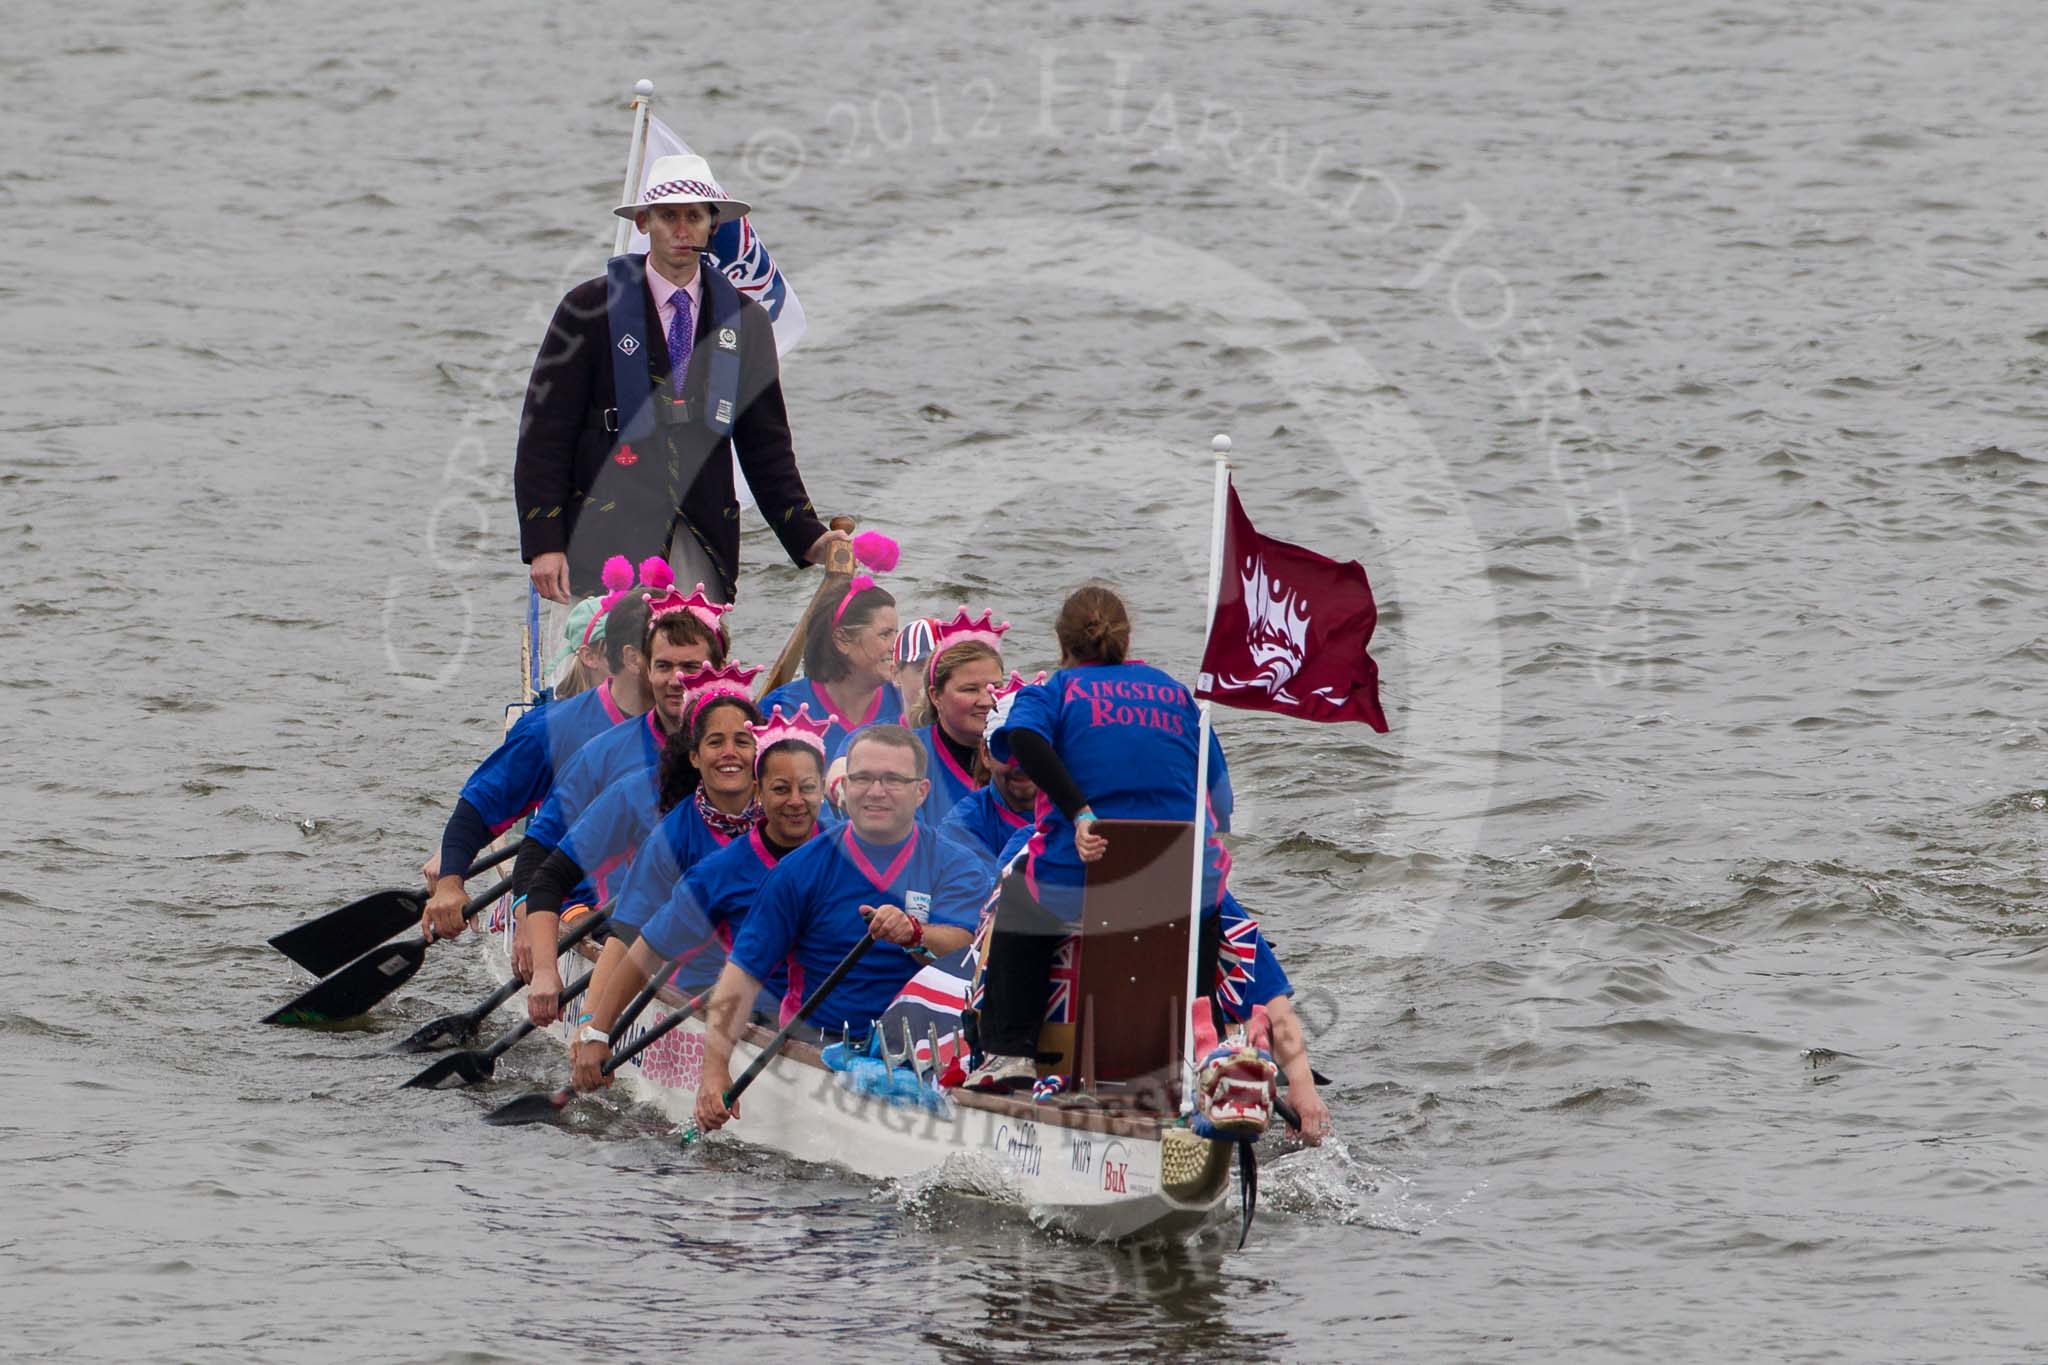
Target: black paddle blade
x=450, y=1030
x=355, y=988
x=339, y=937
x=454, y=1071
x=534, y=1108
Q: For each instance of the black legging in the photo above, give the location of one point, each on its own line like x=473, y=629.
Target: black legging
x=1020, y=954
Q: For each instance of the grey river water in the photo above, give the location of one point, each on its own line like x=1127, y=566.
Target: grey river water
x=1675, y=369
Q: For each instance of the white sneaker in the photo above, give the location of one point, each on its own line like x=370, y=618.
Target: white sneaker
x=1002, y=1075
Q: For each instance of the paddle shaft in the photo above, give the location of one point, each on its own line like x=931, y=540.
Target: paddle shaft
x=491, y=860
x=803, y=1012
x=588, y=926
x=655, y=1034
x=639, y=1002
x=526, y=1026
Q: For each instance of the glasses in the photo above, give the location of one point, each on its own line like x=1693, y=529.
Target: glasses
x=894, y=782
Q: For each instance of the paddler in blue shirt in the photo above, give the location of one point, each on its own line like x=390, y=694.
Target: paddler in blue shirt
x=991, y=817
x=915, y=891
x=849, y=665
x=965, y=668
x=522, y=771
x=679, y=647
x=694, y=927
x=1105, y=737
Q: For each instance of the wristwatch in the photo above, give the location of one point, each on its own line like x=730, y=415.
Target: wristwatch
x=593, y=1034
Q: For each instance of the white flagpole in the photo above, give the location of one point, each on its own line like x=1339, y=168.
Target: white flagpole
x=636, y=155
x=1221, y=460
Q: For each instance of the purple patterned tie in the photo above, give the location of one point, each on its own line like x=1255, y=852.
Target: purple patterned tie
x=681, y=337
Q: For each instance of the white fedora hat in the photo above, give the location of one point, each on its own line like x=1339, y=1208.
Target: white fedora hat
x=684, y=180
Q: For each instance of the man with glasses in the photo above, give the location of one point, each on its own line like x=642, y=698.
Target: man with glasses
x=918, y=894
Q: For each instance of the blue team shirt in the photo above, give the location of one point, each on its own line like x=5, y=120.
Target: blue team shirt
x=1127, y=734
x=611, y=827
x=887, y=709
x=808, y=911
x=950, y=782
x=676, y=844
x=618, y=752
x=984, y=822
x=520, y=772
x=702, y=914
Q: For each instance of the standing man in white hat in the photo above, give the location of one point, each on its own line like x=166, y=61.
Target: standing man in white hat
x=646, y=379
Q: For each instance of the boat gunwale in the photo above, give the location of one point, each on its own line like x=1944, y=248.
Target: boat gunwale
x=1112, y=1124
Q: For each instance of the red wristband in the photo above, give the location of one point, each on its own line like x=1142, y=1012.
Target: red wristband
x=916, y=932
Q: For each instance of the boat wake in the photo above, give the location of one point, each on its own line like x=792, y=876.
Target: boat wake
x=1331, y=1185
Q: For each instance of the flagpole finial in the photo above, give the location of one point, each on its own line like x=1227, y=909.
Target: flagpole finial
x=644, y=88
x=1220, y=444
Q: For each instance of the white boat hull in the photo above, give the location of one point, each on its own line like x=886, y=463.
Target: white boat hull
x=1087, y=1174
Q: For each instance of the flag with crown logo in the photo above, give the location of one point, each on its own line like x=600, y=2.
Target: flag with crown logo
x=1291, y=631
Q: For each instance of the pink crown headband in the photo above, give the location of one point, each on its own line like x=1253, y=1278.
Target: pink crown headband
x=697, y=604
x=781, y=726
x=1017, y=683
x=709, y=684
x=959, y=631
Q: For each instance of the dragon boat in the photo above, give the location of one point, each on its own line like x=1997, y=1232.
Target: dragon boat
x=1104, y=1173
x=1109, y=1160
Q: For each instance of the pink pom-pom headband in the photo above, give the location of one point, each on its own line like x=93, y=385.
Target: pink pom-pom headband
x=860, y=584
x=877, y=551
x=655, y=574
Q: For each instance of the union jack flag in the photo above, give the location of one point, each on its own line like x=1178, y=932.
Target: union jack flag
x=1064, y=978
x=931, y=1001
x=738, y=251
x=1234, y=963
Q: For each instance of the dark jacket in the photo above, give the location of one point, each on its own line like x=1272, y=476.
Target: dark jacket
x=581, y=493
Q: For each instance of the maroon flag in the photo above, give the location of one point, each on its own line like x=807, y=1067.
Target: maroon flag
x=1291, y=631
